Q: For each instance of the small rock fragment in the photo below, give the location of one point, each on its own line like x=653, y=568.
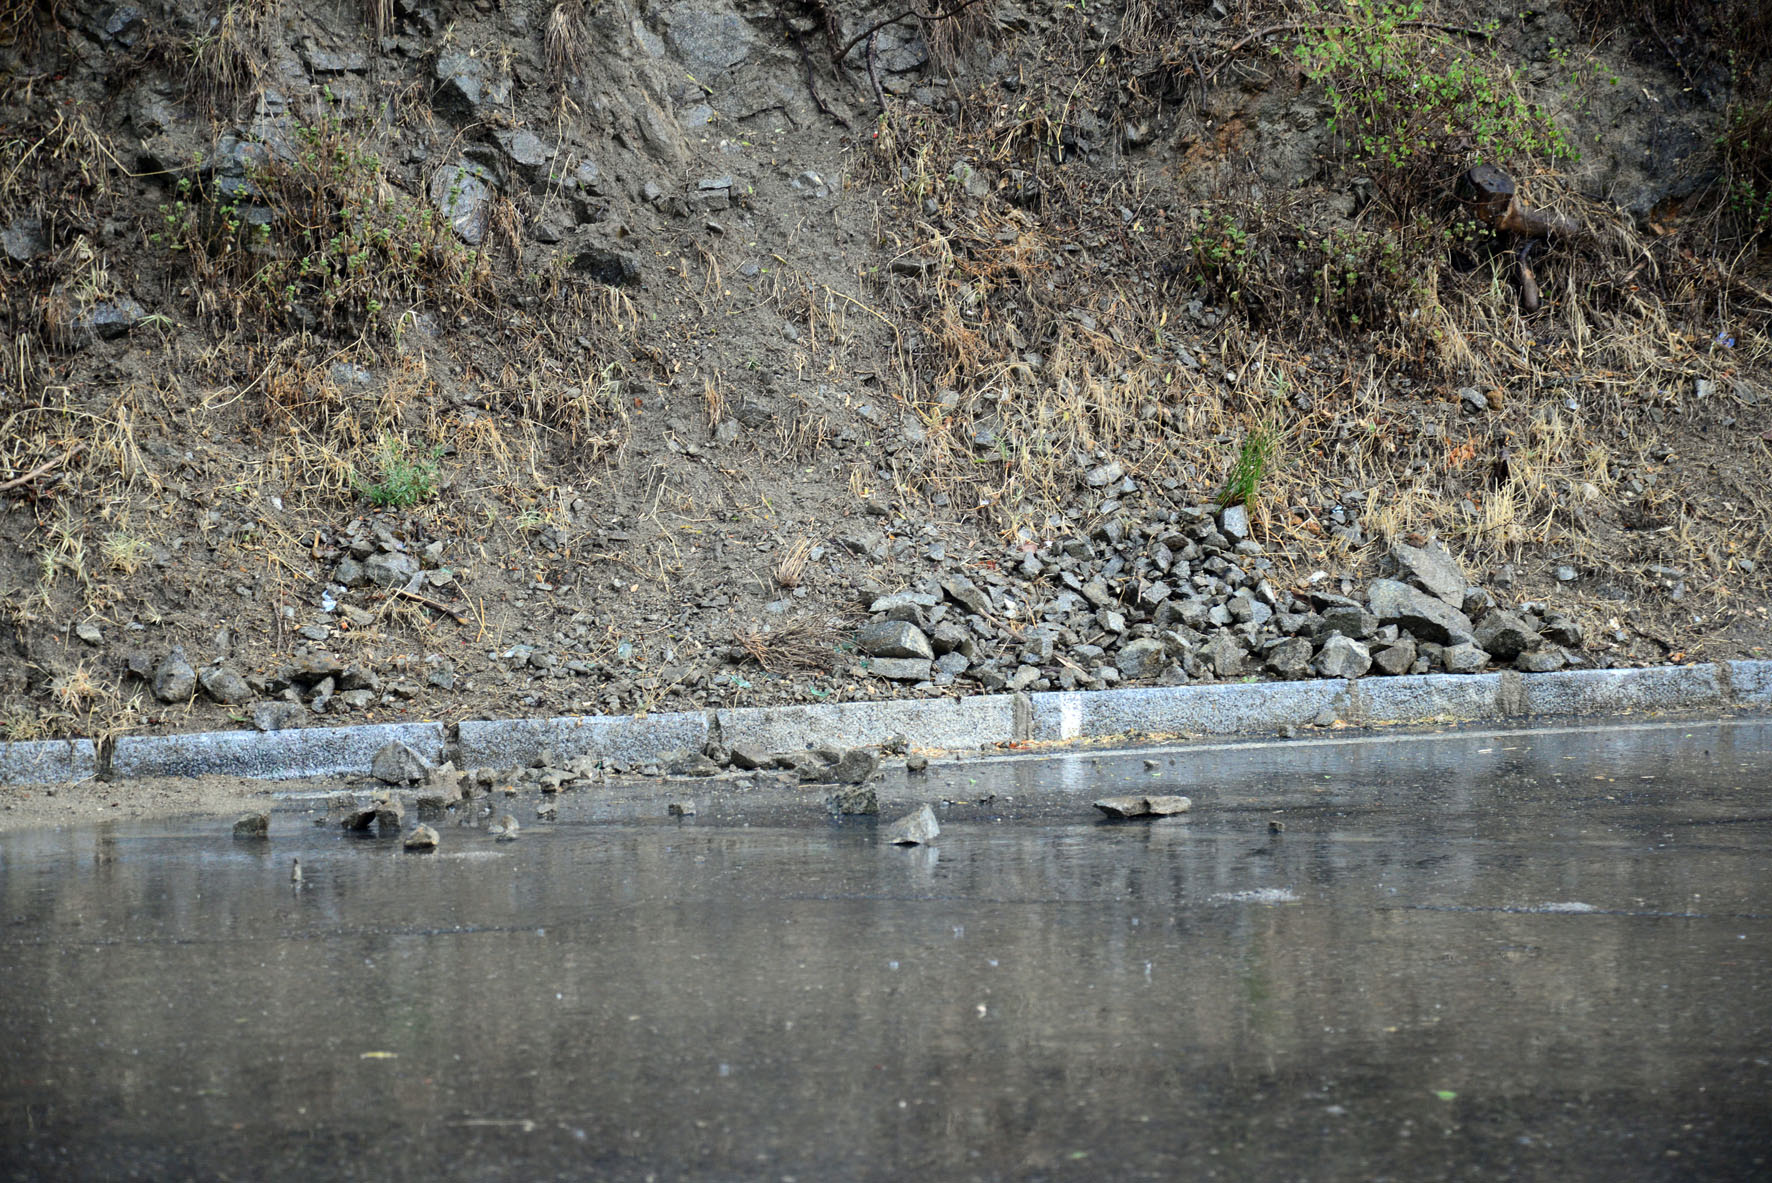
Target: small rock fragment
x=422, y=838
x=1141, y=805
x=1167, y=806
x=174, y=679
x=277, y=716
x=224, y=685
x=357, y=817
x=750, y=757
x=852, y=801
x=504, y=829
x=894, y=638
x=915, y=828
x=683, y=808
x=390, y=815
x=252, y=825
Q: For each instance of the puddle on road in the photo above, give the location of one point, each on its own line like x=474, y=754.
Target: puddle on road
x=1437, y=970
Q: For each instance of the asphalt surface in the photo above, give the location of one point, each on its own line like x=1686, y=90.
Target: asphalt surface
x=1505, y=954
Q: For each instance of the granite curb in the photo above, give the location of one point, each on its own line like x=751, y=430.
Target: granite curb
x=935, y=724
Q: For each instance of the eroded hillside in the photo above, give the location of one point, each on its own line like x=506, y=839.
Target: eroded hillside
x=432, y=359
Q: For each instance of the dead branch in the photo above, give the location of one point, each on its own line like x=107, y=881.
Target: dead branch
x=426, y=601
x=43, y=468
x=927, y=18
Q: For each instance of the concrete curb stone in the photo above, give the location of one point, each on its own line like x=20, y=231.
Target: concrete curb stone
x=926, y=723
x=633, y=739
x=1167, y=710
x=970, y=723
x=1751, y=682
x=271, y=755
x=44, y=761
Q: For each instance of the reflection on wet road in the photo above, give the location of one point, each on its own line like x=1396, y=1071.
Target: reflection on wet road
x=1510, y=954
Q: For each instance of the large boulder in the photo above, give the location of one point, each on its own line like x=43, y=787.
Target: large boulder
x=1427, y=618
x=1433, y=569
x=894, y=638
x=1505, y=636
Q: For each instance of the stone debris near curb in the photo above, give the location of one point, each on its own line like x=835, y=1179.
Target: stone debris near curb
x=390, y=814
x=505, y=829
x=915, y=828
x=831, y=766
x=620, y=746
x=1188, y=600
x=252, y=825
x=852, y=801
x=682, y=808
x=356, y=817
x=1136, y=805
x=422, y=838
x=398, y=764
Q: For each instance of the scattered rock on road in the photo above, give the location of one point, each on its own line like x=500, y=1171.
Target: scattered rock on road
x=915, y=828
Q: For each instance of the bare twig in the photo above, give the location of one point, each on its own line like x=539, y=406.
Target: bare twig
x=927, y=18
x=43, y=468
x=403, y=593
x=874, y=71
x=1304, y=26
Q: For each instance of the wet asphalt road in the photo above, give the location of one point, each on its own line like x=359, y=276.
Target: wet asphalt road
x=1489, y=955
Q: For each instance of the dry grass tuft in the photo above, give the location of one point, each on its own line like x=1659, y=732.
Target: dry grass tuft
x=380, y=14
x=800, y=646
x=792, y=569
x=564, y=42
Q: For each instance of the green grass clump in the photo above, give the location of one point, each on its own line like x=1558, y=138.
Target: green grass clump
x=405, y=479
x=1254, y=458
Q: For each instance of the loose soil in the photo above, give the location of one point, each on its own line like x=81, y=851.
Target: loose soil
x=686, y=342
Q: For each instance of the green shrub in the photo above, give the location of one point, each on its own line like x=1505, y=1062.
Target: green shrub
x=1413, y=107
x=320, y=239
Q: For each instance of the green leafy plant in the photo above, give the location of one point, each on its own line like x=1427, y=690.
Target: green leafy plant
x=1747, y=157
x=1413, y=106
x=1220, y=248
x=1254, y=458
x=405, y=479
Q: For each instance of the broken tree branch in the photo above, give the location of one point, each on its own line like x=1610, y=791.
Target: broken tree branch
x=44, y=468
x=927, y=18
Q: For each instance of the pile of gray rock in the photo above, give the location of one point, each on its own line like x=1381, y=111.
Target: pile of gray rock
x=1196, y=599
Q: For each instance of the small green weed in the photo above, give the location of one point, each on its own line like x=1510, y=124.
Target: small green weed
x=405, y=480
x=1747, y=157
